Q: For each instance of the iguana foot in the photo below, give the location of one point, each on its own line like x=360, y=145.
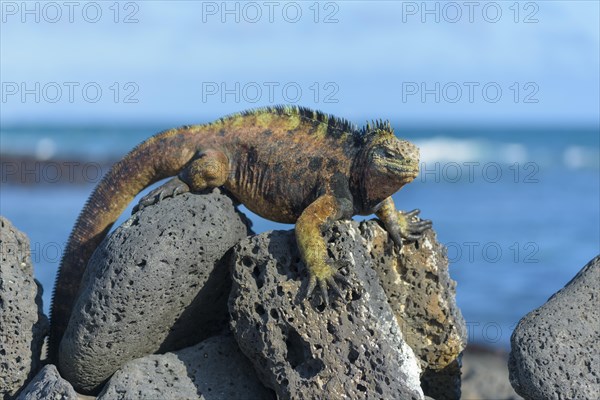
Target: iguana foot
x=411, y=229
x=170, y=189
x=325, y=276
x=312, y=246
x=401, y=225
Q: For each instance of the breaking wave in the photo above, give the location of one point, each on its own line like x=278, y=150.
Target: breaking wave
x=447, y=149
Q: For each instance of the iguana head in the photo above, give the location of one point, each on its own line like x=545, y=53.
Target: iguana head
x=388, y=164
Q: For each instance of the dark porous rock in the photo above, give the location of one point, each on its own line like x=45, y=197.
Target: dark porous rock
x=422, y=295
x=214, y=369
x=352, y=348
x=48, y=385
x=22, y=322
x=158, y=283
x=555, y=349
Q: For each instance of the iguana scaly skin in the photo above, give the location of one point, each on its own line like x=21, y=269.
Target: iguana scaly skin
x=287, y=164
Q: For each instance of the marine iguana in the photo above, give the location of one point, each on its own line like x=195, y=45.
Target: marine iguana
x=287, y=164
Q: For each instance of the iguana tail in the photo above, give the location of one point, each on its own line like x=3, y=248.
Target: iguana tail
x=159, y=157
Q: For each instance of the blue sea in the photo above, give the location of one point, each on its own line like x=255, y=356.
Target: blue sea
x=517, y=207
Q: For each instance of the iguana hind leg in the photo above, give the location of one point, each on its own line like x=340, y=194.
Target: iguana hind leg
x=209, y=169
x=171, y=188
x=312, y=246
x=401, y=225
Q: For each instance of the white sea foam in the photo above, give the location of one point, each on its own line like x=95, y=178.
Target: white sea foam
x=513, y=153
x=45, y=149
x=577, y=157
x=444, y=149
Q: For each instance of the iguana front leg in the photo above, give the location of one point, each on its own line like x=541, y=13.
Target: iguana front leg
x=400, y=225
x=312, y=246
x=209, y=169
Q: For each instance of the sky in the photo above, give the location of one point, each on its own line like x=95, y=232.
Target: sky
x=431, y=63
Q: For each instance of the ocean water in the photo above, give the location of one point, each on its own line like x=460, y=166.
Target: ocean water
x=517, y=207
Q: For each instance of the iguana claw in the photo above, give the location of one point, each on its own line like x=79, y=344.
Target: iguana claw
x=413, y=230
x=402, y=225
x=170, y=189
x=324, y=282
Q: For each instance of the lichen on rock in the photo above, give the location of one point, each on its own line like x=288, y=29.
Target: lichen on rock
x=421, y=293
